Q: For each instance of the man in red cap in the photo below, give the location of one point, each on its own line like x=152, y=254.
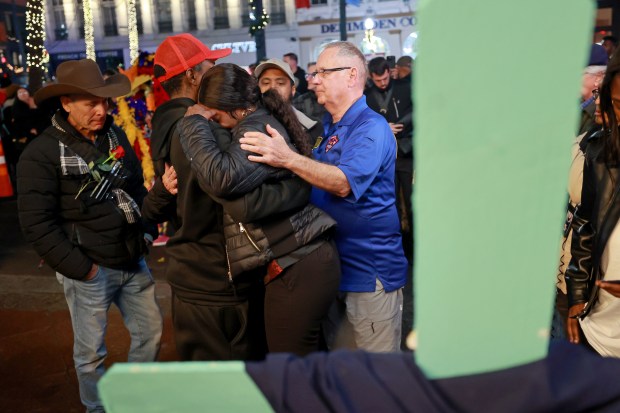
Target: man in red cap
x=215, y=316
x=180, y=62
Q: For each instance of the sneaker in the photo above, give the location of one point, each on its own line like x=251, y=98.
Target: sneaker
x=161, y=241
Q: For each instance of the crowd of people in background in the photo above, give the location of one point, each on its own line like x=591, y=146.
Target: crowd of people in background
x=288, y=192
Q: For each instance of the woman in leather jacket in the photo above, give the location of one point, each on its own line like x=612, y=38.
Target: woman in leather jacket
x=302, y=263
x=593, y=276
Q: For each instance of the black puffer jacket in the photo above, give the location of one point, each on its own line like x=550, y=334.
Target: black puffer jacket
x=71, y=231
x=593, y=223
x=249, y=246
x=252, y=245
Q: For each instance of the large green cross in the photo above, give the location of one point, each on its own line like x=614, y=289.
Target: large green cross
x=496, y=91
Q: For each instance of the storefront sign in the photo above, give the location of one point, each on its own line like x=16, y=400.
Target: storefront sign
x=237, y=47
x=105, y=58
x=380, y=24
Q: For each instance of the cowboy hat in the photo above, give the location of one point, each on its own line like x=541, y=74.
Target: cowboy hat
x=83, y=77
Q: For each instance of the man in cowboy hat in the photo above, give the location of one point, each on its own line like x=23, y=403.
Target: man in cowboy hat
x=78, y=202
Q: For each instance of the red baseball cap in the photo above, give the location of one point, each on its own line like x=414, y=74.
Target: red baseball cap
x=178, y=53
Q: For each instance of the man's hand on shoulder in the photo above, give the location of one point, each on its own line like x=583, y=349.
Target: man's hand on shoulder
x=272, y=150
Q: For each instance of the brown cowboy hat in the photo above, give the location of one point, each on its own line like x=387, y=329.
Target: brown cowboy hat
x=83, y=77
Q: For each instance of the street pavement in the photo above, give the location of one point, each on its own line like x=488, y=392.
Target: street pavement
x=36, y=339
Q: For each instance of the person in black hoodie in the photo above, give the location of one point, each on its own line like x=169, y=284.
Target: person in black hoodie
x=215, y=317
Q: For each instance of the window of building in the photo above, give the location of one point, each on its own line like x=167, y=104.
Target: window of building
x=277, y=11
x=190, y=12
x=220, y=14
x=79, y=15
x=164, y=16
x=60, y=25
x=139, y=17
x=8, y=23
x=110, y=28
x=318, y=2
x=245, y=13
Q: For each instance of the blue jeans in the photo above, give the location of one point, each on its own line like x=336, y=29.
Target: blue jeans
x=133, y=292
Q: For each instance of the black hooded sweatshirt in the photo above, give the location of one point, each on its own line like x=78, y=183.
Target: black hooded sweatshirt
x=164, y=120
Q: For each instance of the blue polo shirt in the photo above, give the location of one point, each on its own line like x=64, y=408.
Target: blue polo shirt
x=368, y=233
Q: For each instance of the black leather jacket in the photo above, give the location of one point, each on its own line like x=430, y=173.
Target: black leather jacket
x=227, y=172
x=593, y=223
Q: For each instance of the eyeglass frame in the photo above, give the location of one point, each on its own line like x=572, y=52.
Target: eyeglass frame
x=596, y=93
x=323, y=71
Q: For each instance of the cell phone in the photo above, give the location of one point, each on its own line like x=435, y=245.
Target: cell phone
x=391, y=61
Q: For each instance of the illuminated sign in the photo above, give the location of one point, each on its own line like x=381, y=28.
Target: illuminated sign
x=237, y=47
x=380, y=24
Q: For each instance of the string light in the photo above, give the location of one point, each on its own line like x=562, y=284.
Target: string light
x=89, y=35
x=37, y=56
x=132, y=26
x=260, y=23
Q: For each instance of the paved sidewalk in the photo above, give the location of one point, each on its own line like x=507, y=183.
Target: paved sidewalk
x=36, y=366
x=36, y=339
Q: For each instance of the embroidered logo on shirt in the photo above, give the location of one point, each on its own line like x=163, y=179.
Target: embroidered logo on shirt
x=331, y=142
x=317, y=142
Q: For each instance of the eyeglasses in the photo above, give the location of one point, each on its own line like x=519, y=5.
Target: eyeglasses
x=322, y=72
x=595, y=94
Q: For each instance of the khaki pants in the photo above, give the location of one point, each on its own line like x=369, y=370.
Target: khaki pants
x=368, y=321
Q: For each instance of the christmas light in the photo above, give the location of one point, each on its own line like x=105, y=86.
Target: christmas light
x=89, y=36
x=132, y=26
x=36, y=57
x=260, y=23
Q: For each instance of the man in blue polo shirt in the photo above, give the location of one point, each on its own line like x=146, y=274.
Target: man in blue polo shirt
x=353, y=180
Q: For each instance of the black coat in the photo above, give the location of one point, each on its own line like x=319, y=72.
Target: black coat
x=397, y=109
x=71, y=231
x=593, y=223
x=228, y=174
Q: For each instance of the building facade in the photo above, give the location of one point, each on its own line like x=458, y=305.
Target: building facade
x=221, y=23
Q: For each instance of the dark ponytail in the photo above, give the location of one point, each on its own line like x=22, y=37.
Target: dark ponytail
x=283, y=112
